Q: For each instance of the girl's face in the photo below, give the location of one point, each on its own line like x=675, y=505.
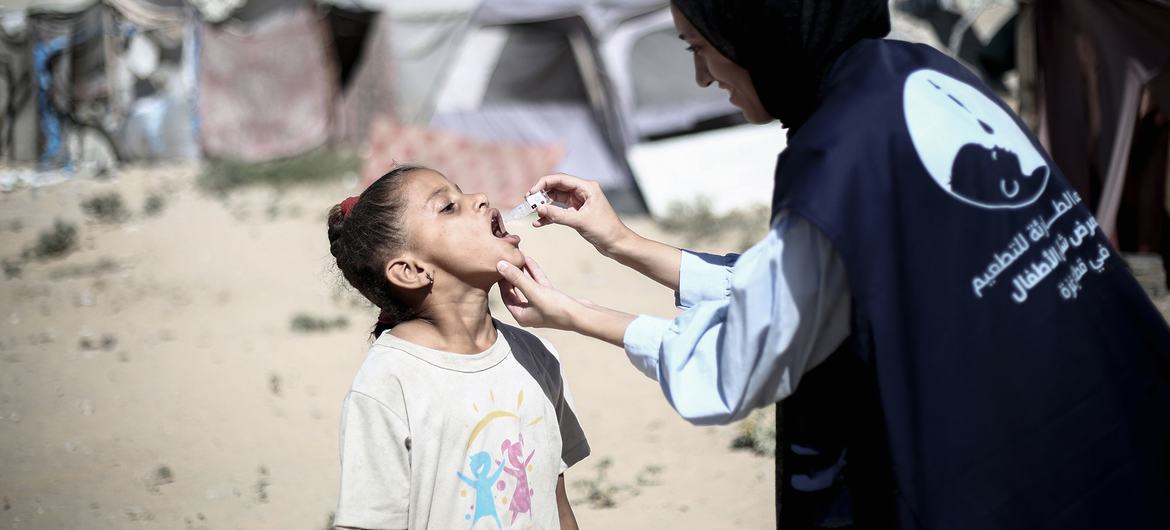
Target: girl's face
x=457, y=233
x=713, y=67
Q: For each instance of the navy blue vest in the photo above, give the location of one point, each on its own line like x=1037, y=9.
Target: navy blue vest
x=1005, y=371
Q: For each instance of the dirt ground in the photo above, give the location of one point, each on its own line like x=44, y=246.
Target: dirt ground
x=153, y=379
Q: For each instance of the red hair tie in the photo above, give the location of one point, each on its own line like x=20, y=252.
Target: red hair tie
x=347, y=206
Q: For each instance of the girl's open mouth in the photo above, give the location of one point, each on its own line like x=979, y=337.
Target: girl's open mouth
x=500, y=231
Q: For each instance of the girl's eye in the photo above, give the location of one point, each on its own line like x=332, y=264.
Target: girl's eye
x=449, y=208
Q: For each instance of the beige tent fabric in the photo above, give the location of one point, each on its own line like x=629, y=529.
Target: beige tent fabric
x=147, y=15
x=269, y=94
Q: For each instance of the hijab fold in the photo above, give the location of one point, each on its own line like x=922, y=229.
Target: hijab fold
x=788, y=46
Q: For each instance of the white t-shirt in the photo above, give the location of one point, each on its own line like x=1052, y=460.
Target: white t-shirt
x=434, y=439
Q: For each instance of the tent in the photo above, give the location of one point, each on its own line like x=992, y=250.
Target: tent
x=109, y=80
x=594, y=77
x=593, y=80
x=492, y=92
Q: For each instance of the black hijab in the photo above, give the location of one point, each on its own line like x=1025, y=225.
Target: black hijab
x=787, y=46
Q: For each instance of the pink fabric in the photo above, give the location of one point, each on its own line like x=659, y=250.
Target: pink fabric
x=269, y=94
x=503, y=171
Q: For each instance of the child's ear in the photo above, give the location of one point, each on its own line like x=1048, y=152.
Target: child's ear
x=405, y=272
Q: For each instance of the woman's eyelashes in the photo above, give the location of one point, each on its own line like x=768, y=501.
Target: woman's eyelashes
x=449, y=208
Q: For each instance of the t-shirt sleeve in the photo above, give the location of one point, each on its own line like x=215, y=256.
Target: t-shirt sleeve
x=574, y=445
x=375, y=466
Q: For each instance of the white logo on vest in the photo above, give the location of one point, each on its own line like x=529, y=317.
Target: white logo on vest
x=970, y=146
x=976, y=152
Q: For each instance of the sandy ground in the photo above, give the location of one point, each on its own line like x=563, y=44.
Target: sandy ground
x=151, y=379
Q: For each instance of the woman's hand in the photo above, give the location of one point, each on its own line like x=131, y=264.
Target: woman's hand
x=532, y=299
x=534, y=302
x=587, y=211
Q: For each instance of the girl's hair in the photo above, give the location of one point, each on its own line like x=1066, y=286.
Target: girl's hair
x=366, y=237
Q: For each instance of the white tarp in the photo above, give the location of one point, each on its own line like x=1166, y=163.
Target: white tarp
x=729, y=168
x=47, y=6
x=407, y=7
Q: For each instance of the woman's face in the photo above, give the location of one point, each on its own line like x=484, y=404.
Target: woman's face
x=712, y=67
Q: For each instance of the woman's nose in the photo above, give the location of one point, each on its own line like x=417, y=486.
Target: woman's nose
x=480, y=200
x=702, y=76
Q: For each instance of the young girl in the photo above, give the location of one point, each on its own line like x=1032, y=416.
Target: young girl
x=454, y=420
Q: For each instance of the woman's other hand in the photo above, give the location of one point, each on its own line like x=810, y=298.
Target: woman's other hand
x=534, y=302
x=587, y=211
x=532, y=299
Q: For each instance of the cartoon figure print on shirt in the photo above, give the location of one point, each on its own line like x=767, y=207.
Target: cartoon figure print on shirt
x=484, y=475
x=970, y=145
x=521, y=494
x=481, y=482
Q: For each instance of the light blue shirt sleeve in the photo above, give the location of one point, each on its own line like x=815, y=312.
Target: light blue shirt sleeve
x=703, y=277
x=786, y=310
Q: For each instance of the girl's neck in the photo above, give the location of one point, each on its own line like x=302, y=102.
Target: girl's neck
x=454, y=322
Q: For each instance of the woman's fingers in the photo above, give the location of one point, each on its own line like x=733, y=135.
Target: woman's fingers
x=536, y=272
x=519, y=280
x=511, y=295
x=550, y=214
x=567, y=189
x=558, y=182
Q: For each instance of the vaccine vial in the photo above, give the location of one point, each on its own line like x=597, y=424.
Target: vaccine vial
x=530, y=204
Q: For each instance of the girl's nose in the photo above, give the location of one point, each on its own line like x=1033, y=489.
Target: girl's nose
x=480, y=200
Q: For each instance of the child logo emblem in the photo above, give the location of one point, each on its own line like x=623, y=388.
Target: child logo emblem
x=970, y=145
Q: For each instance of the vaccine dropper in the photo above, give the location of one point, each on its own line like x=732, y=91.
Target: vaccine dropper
x=531, y=202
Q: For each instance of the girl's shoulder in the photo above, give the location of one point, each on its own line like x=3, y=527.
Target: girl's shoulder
x=520, y=338
x=380, y=376
x=537, y=357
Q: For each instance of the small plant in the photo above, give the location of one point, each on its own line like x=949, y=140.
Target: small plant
x=758, y=432
x=161, y=477
x=54, y=242
x=197, y=522
x=223, y=176
x=599, y=491
x=83, y=270
x=649, y=476
x=154, y=204
x=274, y=384
x=106, y=208
x=698, y=223
x=136, y=514
x=306, y=323
x=12, y=268
x=262, y=485
x=107, y=343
